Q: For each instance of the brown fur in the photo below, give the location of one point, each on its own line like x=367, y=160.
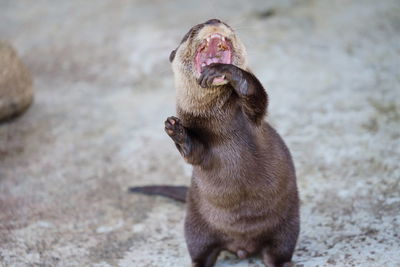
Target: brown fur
x=190, y=96
x=243, y=194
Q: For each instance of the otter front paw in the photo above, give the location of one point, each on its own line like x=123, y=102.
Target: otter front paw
x=175, y=129
x=215, y=74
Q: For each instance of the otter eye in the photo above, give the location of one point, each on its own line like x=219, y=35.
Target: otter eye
x=172, y=55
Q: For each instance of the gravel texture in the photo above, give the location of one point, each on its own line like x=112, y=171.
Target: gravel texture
x=103, y=87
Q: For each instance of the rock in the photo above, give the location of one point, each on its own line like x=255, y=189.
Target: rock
x=16, y=91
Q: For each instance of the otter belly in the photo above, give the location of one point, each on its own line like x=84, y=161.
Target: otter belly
x=235, y=209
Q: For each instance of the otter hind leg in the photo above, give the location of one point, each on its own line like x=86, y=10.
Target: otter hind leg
x=203, y=247
x=203, y=243
x=272, y=260
x=279, y=252
x=206, y=257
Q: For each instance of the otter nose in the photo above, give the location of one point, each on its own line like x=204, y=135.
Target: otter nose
x=212, y=21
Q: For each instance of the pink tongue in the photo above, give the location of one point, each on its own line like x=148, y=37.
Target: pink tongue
x=212, y=50
x=217, y=51
x=219, y=81
x=211, y=54
x=215, y=56
x=213, y=60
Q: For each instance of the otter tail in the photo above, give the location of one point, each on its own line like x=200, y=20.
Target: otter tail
x=175, y=192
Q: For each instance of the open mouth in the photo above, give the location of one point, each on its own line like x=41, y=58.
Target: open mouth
x=213, y=49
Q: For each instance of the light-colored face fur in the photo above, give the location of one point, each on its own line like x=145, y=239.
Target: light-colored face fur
x=190, y=96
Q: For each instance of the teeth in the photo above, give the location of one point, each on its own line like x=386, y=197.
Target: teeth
x=203, y=64
x=215, y=35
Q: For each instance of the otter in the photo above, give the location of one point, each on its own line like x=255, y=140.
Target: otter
x=243, y=195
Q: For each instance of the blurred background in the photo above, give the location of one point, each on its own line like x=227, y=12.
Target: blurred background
x=103, y=86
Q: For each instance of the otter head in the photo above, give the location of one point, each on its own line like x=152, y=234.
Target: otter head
x=210, y=42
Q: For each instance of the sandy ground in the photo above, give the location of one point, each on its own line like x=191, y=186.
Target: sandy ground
x=104, y=87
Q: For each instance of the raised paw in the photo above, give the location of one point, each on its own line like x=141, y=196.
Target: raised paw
x=215, y=74
x=175, y=129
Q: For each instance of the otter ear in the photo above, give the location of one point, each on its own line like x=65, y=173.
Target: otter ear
x=172, y=55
